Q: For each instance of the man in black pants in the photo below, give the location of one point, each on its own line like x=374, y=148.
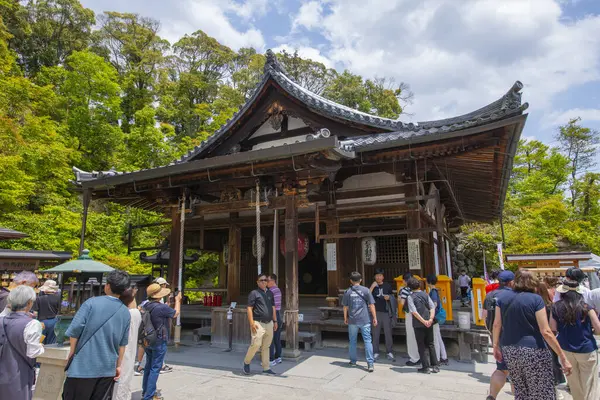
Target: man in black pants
x=422, y=309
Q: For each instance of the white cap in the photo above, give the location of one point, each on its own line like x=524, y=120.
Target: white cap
x=161, y=281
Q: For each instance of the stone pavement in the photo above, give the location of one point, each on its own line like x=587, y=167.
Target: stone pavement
x=202, y=372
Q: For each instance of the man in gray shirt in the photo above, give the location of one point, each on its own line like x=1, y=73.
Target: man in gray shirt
x=358, y=302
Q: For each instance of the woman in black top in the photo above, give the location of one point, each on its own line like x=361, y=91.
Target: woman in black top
x=47, y=306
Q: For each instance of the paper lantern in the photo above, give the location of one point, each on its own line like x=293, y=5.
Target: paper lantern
x=303, y=245
x=369, y=250
x=263, y=242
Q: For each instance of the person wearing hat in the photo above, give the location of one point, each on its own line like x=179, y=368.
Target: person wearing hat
x=573, y=319
x=505, y=283
x=47, y=306
x=160, y=315
x=575, y=275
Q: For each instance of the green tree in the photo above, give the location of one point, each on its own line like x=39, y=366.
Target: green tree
x=380, y=96
x=90, y=95
x=132, y=45
x=46, y=32
x=310, y=74
x=195, y=73
x=578, y=144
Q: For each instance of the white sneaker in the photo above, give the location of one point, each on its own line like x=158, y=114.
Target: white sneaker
x=376, y=356
x=279, y=360
x=390, y=356
x=273, y=363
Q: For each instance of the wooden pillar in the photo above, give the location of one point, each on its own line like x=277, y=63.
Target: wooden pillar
x=439, y=221
x=235, y=256
x=413, y=221
x=174, y=246
x=291, y=278
x=333, y=277
x=86, y=203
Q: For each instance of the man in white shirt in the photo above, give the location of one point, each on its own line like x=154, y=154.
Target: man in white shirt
x=464, y=281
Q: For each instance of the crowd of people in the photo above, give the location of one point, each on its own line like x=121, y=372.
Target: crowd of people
x=543, y=332
x=105, y=336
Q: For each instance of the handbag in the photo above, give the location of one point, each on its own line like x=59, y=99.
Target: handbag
x=441, y=315
x=78, y=348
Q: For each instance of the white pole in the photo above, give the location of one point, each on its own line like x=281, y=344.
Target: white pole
x=179, y=283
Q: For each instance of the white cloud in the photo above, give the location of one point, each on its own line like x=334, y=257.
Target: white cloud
x=460, y=55
x=305, y=52
x=309, y=16
x=249, y=9
x=557, y=118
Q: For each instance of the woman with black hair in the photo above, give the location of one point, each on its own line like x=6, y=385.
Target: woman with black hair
x=521, y=339
x=573, y=319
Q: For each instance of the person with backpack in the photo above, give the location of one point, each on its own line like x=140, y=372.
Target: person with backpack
x=422, y=309
x=358, y=302
x=440, y=318
x=154, y=335
x=411, y=342
x=505, y=280
x=98, y=335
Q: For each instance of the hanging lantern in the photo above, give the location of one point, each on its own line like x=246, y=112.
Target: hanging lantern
x=303, y=245
x=369, y=250
x=263, y=242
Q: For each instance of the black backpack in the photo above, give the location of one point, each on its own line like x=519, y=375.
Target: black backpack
x=491, y=309
x=147, y=334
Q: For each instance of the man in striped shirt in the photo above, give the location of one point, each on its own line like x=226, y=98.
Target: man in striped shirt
x=276, y=344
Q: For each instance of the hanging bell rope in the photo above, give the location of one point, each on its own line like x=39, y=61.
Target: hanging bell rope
x=258, y=241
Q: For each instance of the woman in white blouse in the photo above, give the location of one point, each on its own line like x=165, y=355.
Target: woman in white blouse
x=20, y=340
x=122, y=390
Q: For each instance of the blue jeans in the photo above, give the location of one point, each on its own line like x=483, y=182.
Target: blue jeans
x=155, y=356
x=275, y=350
x=49, y=330
x=365, y=331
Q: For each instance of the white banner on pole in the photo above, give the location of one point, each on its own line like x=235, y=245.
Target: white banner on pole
x=500, y=256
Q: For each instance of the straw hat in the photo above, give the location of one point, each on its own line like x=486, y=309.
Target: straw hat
x=49, y=286
x=154, y=291
x=564, y=288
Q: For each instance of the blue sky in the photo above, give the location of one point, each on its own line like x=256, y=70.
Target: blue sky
x=456, y=55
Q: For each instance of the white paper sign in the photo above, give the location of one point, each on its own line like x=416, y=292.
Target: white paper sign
x=331, y=257
x=300, y=317
x=500, y=256
x=414, y=254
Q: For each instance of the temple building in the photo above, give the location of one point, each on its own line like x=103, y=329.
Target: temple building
x=339, y=190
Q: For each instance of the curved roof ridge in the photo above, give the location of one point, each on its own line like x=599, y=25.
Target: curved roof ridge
x=508, y=104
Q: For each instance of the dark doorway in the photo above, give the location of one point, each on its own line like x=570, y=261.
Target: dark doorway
x=312, y=270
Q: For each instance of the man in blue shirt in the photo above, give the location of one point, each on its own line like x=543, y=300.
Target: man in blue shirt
x=358, y=302
x=504, y=291
x=98, y=336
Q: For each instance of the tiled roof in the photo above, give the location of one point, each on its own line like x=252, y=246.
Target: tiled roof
x=508, y=105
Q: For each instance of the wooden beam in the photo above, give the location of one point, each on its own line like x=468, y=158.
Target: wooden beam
x=174, y=248
x=378, y=233
x=87, y=196
x=234, y=261
x=291, y=278
x=278, y=135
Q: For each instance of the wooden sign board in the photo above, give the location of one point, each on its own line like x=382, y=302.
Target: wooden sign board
x=331, y=257
x=414, y=254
